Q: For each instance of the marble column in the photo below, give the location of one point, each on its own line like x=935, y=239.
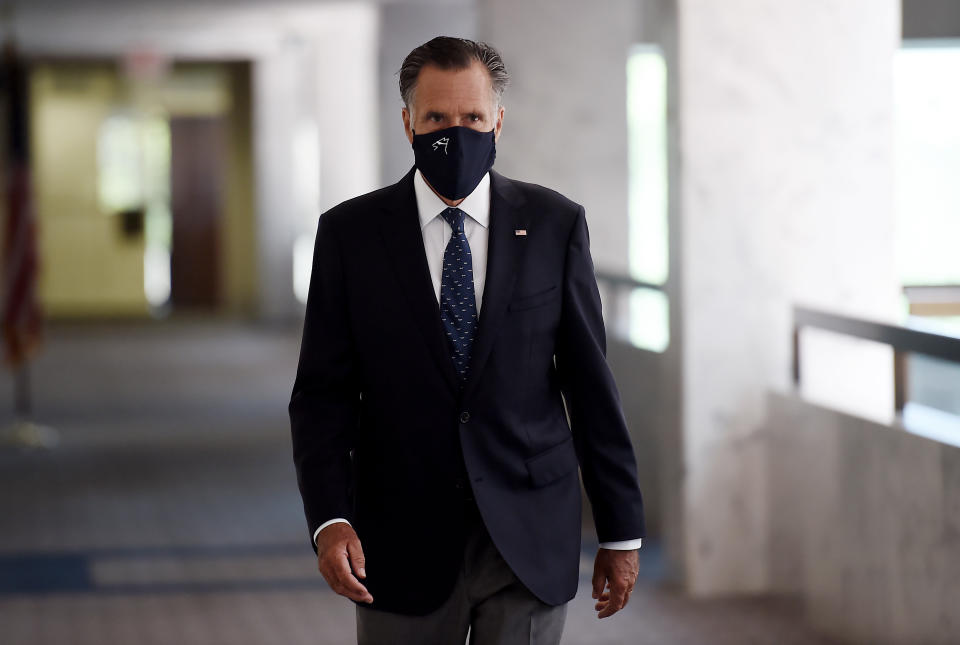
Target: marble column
x=565, y=119
x=785, y=116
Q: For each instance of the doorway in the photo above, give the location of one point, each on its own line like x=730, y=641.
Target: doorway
x=197, y=146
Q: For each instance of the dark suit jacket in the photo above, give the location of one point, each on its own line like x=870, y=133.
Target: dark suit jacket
x=384, y=437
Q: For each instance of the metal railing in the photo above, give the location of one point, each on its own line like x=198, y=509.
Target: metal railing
x=620, y=280
x=612, y=287
x=609, y=282
x=903, y=340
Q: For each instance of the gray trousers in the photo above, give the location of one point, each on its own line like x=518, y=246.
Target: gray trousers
x=488, y=600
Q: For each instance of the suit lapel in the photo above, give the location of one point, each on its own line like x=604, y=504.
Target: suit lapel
x=505, y=251
x=403, y=239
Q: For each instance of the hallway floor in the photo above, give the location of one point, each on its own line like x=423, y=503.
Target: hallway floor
x=169, y=512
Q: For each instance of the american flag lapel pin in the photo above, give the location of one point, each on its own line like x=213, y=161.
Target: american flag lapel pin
x=520, y=231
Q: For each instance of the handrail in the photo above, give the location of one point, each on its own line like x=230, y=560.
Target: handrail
x=904, y=340
x=621, y=280
x=610, y=282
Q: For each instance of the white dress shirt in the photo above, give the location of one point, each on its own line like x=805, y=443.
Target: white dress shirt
x=436, y=233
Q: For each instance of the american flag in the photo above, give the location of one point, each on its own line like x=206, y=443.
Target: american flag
x=22, y=320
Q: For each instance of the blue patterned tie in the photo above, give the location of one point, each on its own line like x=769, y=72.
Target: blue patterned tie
x=458, y=305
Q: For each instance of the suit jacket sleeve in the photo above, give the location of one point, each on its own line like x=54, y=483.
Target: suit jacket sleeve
x=325, y=403
x=600, y=435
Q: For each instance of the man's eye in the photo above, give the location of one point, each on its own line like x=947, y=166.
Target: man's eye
x=474, y=117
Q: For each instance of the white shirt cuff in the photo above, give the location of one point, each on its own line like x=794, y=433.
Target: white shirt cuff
x=622, y=545
x=325, y=525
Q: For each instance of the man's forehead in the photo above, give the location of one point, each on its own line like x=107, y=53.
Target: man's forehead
x=424, y=108
x=460, y=108
x=435, y=80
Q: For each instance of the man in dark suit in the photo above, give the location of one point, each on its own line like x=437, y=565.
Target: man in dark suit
x=450, y=318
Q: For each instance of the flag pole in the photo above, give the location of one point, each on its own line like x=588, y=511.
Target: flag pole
x=21, y=391
x=23, y=432
x=20, y=310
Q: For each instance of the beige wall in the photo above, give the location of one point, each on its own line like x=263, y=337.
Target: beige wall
x=88, y=268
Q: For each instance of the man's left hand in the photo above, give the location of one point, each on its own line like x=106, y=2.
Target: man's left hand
x=614, y=574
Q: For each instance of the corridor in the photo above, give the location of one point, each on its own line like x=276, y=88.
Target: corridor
x=169, y=511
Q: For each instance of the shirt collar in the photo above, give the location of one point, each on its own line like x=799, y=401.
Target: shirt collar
x=476, y=204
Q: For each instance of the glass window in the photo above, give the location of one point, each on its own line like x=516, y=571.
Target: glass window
x=649, y=311
x=927, y=140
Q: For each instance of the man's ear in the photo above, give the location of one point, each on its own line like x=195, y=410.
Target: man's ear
x=405, y=114
x=499, y=125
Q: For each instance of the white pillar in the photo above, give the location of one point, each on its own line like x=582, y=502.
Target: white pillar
x=274, y=77
x=317, y=90
x=565, y=124
x=347, y=74
x=786, y=190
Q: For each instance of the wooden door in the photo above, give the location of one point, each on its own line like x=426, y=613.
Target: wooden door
x=197, y=171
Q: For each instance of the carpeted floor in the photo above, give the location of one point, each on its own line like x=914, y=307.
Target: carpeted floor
x=169, y=512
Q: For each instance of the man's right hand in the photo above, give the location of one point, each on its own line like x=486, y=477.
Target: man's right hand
x=338, y=548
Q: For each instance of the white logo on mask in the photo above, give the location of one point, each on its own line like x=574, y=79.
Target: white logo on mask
x=441, y=142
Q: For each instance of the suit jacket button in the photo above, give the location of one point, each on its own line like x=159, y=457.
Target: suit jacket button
x=464, y=416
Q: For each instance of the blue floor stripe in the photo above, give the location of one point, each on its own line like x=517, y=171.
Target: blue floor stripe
x=69, y=572
x=39, y=573
x=32, y=574
x=195, y=550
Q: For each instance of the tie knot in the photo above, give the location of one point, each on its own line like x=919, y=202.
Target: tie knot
x=454, y=217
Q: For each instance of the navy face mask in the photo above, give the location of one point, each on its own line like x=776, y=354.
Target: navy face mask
x=454, y=159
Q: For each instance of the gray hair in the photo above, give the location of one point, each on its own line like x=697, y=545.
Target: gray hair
x=447, y=52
